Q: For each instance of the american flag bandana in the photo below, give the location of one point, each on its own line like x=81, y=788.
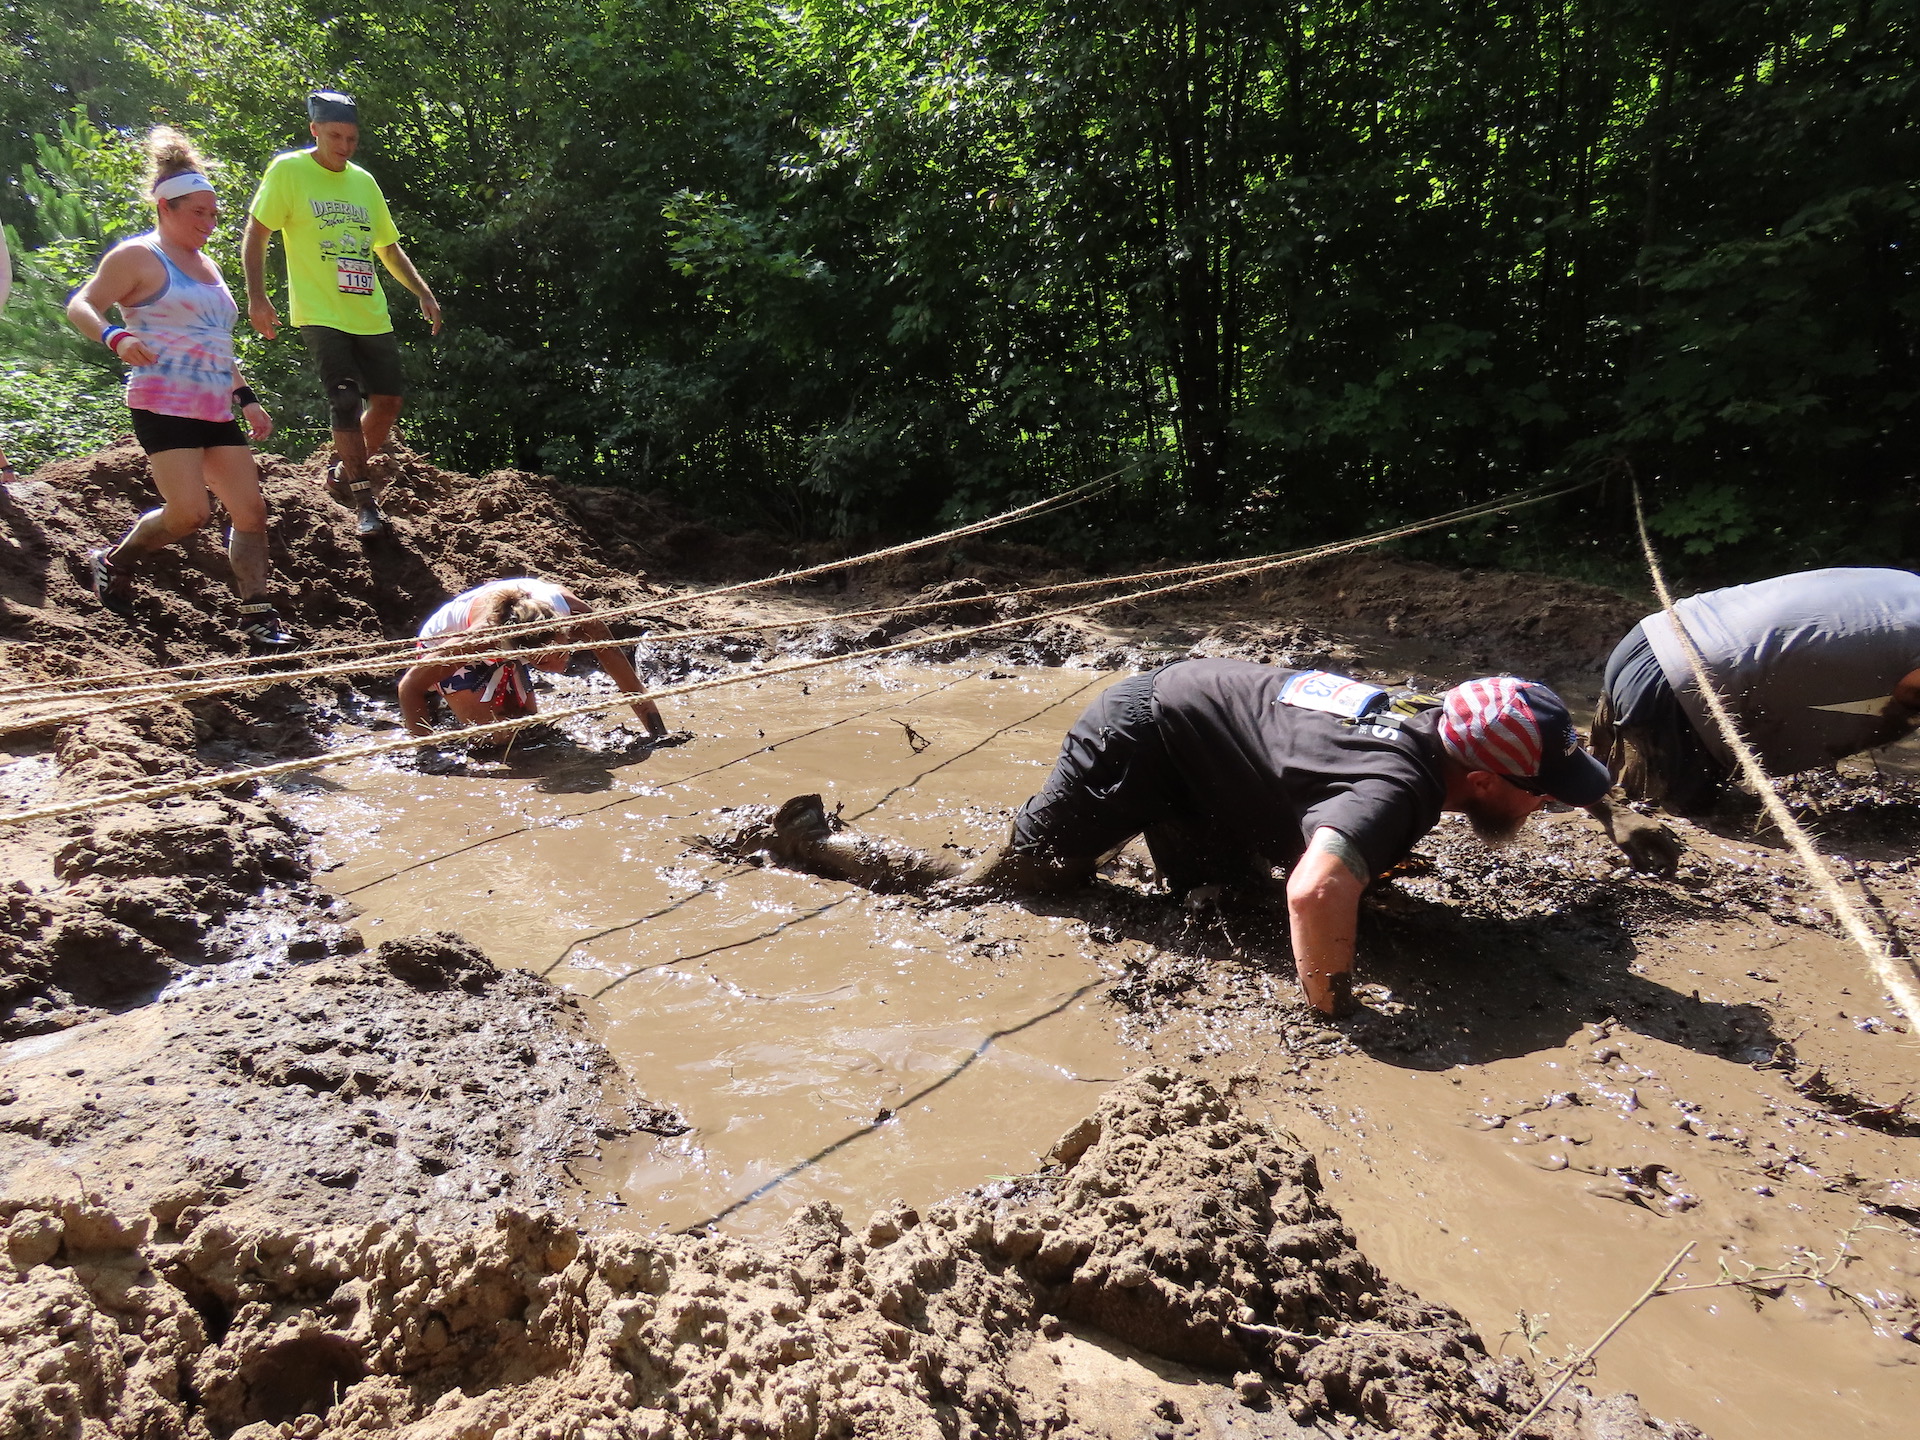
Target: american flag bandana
x=1488, y=725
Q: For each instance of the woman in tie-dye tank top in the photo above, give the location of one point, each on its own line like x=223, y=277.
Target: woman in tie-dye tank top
x=182, y=386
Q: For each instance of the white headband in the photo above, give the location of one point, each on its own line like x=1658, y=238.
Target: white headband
x=185, y=183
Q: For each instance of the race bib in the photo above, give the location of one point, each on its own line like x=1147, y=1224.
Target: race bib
x=1331, y=694
x=356, y=276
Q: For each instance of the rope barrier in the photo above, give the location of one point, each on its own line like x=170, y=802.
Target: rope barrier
x=1899, y=986
x=195, y=689
x=404, y=647
x=228, y=779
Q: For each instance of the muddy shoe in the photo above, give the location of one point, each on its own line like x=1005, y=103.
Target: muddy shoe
x=335, y=484
x=260, y=627
x=112, y=586
x=371, y=521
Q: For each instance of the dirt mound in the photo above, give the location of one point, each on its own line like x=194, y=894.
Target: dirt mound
x=1167, y=1221
x=1515, y=622
x=278, y=1071
x=417, y=1083
x=451, y=532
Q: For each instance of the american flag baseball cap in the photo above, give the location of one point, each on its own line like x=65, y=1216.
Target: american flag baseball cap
x=1521, y=732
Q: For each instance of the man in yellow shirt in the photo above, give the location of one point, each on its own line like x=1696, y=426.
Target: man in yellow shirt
x=334, y=221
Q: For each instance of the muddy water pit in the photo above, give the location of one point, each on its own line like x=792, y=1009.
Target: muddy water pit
x=824, y=1043
x=828, y=1043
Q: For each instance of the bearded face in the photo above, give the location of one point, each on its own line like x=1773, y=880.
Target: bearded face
x=1498, y=813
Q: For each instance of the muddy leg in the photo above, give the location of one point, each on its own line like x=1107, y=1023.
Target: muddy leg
x=804, y=836
x=1024, y=870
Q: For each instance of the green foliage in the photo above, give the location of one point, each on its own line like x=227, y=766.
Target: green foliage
x=48, y=410
x=1706, y=517
x=839, y=267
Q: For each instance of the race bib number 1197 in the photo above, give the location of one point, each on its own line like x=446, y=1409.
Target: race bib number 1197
x=356, y=276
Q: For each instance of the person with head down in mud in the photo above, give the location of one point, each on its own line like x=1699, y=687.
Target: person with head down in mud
x=182, y=385
x=481, y=681
x=1228, y=769
x=1813, y=667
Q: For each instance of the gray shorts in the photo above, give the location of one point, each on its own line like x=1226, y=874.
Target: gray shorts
x=369, y=363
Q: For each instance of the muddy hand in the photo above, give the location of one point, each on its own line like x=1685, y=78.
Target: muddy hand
x=433, y=760
x=1648, y=845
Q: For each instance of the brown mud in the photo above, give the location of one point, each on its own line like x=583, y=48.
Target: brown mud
x=1563, y=1072
x=1166, y=1224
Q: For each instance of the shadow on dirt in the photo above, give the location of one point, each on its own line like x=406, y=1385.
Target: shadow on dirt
x=1469, y=990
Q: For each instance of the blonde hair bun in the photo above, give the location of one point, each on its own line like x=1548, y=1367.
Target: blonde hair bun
x=169, y=153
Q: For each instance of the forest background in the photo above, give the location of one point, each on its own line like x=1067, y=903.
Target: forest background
x=842, y=268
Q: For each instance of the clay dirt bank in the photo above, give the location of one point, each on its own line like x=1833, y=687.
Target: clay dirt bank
x=260, y=1174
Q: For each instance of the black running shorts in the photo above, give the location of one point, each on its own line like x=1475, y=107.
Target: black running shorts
x=369, y=362
x=157, y=432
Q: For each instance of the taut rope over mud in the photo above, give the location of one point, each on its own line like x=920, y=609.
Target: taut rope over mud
x=85, y=705
x=404, y=648
x=230, y=778
x=1852, y=921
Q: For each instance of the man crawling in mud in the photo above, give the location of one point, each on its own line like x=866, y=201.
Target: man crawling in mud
x=1228, y=769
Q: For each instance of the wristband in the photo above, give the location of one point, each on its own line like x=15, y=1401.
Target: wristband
x=244, y=394
x=111, y=334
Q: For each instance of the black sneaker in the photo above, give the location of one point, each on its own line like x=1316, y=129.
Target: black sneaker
x=260, y=627
x=112, y=587
x=372, y=522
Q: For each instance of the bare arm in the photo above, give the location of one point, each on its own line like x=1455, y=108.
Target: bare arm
x=613, y=660
x=396, y=261
x=1906, y=694
x=1323, y=908
x=253, y=262
x=259, y=423
x=1899, y=715
x=415, y=686
x=128, y=271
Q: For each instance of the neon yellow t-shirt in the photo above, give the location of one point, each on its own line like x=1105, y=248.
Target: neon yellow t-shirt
x=331, y=223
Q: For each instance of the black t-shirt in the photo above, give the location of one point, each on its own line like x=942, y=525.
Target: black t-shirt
x=1269, y=774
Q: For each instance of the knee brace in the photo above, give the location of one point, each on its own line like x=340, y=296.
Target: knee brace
x=343, y=404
